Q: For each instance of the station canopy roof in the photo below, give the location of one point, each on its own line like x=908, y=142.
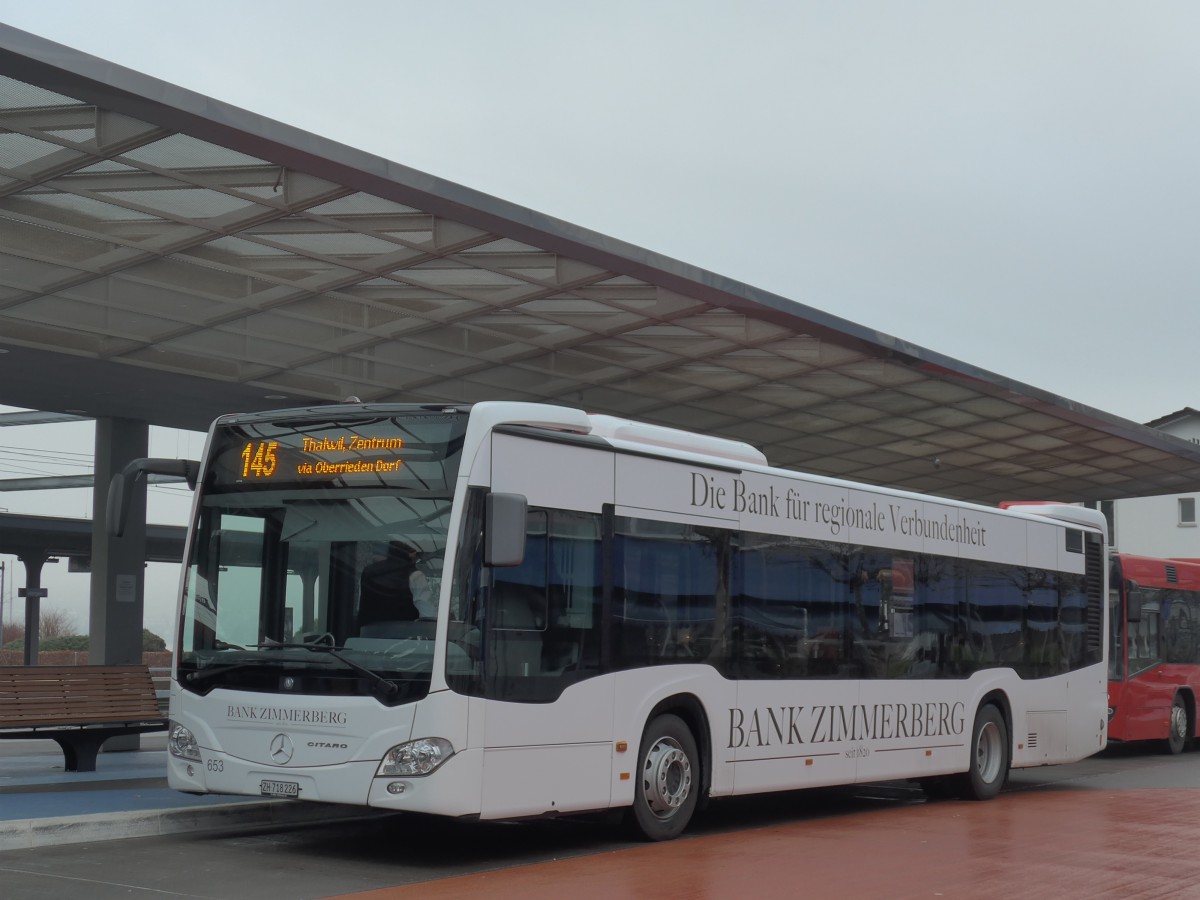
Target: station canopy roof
x=166, y=257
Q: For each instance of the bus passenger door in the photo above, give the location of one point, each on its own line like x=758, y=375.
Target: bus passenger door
x=547, y=730
x=793, y=655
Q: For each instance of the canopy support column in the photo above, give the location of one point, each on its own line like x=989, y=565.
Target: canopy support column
x=33, y=592
x=118, y=564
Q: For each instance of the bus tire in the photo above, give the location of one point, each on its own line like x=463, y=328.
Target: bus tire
x=1178, y=727
x=668, y=780
x=990, y=756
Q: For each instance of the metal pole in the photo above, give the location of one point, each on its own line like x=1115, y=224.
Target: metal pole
x=1, y=603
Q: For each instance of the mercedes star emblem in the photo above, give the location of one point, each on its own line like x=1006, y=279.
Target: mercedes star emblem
x=281, y=749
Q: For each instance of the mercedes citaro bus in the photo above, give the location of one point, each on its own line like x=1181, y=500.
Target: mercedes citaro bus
x=619, y=616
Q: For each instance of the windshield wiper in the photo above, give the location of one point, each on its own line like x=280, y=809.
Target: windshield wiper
x=197, y=675
x=325, y=644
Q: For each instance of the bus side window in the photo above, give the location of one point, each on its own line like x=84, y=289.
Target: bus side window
x=788, y=610
x=1180, y=634
x=572, y=641
x=664, y=592
x=544, y=631
x=939, y=601
x=1144, y=634
x=1073, y=619
x=1041, y=625
x=517, y=634
x=518, y=613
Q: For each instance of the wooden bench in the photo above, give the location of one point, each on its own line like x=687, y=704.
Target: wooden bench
x=80, y=707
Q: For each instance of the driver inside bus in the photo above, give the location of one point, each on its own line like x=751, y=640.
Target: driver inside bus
x=393, y=589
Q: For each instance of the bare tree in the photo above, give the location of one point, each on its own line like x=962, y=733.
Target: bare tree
x=55, y=623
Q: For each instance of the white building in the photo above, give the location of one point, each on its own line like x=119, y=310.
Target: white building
x=1163, y=525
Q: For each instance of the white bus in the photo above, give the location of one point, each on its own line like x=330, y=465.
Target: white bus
x=514, y=610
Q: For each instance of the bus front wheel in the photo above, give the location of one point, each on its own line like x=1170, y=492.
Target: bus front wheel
x=990, y=756
x=668, y=780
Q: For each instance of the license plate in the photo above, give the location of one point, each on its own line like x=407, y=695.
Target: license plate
x=279, y=788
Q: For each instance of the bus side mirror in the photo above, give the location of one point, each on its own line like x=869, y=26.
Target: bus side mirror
x=1133, y=602
x=504, y=529
x=120, y=489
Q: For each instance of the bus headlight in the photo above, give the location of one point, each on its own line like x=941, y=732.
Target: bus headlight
x=419, y=757
x=182, y=743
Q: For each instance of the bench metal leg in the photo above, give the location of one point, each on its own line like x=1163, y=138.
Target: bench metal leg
x=80, y=750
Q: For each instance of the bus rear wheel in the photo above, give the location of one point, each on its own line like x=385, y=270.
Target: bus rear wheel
x=1179, y=728
x=668, y=780
x=990, y=756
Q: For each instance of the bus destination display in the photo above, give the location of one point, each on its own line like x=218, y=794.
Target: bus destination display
x=322, y=457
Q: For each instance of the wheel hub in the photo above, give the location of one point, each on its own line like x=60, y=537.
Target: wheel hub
x=988, y=752
x=666, y=777
x=1179, y=722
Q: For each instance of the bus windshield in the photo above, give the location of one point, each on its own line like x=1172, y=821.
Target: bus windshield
x=316, y=559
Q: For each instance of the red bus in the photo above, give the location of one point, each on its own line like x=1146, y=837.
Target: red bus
x=1154, y=660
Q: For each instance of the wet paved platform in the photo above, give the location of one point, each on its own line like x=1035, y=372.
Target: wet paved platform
x=1132, y=844
x=1125, y=824
x=41, y=804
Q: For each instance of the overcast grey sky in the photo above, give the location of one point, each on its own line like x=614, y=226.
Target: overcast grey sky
x=66, y=449
x=1014, y=185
